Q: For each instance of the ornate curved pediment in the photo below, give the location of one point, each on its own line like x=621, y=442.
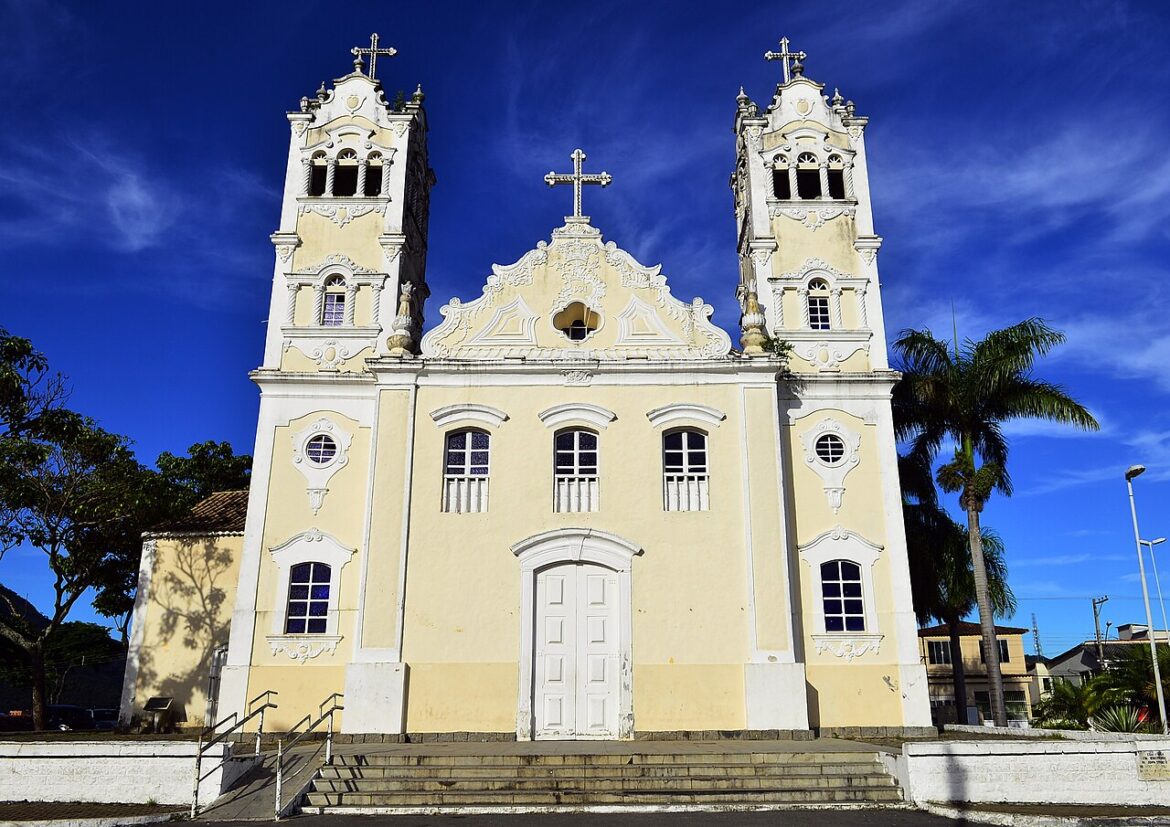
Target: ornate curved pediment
x=624, y=310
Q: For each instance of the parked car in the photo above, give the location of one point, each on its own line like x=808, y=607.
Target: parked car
x=104, y=720
x=66, y=718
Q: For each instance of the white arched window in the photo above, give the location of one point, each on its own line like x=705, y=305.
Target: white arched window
x=333, y=308
x=841, y=593
x=345, y=177
x=466, y=466
x=808, y=176
x=781, y=184
x=575, y=479
x=818, y=305
x=836, y=178
x=308, y=599
x=374, y=173
x=318, y=172
x=685, y=471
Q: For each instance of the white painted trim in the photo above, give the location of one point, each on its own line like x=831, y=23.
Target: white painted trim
x=486, y=414
x=842, y=544
x=753, y=633
x=318, y=476
x=595, y=415
x=407, y=486
x=367, y=523
x=791, y=572
x=832, y=476
x=677, y=411
x=312, y=546
x=576, y=545
x=137, y=631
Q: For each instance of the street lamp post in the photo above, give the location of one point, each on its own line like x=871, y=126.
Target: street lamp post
x=1134, y=471
x=1157, y=583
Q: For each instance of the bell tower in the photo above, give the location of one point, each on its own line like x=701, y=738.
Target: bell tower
x=350, y=273
x=806, y=241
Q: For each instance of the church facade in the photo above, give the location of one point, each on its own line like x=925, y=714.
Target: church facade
x=571, y=508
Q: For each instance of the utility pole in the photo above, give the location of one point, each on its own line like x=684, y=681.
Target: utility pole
x=1036, y=637
x=1098, y=602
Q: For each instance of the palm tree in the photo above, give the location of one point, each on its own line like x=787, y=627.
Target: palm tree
x=963, y=395
x=1072, y=705
x=942, y=579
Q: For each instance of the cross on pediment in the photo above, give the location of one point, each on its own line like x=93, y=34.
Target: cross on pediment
x=577, y=179
x=373, y=52
x=790, y=61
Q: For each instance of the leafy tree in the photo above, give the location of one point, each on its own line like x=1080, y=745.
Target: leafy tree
x=1071, y=705
x=74, y=644
x=163, y=495
x=963, y=395
x=942, y=578
x=1131, y=673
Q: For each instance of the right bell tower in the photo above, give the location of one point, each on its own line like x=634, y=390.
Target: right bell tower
x=806, y=241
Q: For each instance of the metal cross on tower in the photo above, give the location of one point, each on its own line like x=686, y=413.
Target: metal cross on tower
x=577, y=178
x=373, y=52
x=791, y=61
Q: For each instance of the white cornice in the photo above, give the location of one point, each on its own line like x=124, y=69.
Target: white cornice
x=466, y=410
x=685, y=411
x=595, y=415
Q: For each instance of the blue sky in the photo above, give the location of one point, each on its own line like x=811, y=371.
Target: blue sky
x=1017, y=154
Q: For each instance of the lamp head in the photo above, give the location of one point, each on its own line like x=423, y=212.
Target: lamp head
x=1134, y=471
x=1154, y=542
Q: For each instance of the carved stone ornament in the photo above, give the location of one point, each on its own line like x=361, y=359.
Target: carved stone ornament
x=331, y=353
x=813, y=217
x=656, y=325
x=833, y=473
x=302, y=648
x=343, y=213
x=847, y=647
x=318, y=474
x=577, y=377
x=337, y=261
x=828, y=356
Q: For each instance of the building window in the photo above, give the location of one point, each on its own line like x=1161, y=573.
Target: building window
x=830, y=449
x=575, y=471
x=808, y=176
x=836, y=178
x=465, y=472
x=577, y=321
x=321, y=449
x=781, y=187
x=333, y=310
x=308, y=599
x=318, y=174
x=938, y=651
x=345, y=177
x=374, y=173
x=818, y=305
x=684, y=471
x=1003, y=651
x=841, y=592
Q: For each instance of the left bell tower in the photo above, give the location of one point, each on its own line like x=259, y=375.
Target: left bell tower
x=350, y=273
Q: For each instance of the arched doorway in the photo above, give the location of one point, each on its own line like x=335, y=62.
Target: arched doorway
x=576, y=663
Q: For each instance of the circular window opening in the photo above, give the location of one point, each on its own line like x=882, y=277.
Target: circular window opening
x=830, y=449
x=577, y=321
x=321, y=449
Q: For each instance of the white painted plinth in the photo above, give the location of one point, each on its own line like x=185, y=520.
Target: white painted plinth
x=1037, y=772
x=374, y=695
x=775, y=696
x=113, y=772
x=915, y=698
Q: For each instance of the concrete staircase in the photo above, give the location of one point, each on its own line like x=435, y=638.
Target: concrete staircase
x=397, y=782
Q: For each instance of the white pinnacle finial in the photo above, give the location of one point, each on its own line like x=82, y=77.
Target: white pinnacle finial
x=577, y=178
x=790, y=61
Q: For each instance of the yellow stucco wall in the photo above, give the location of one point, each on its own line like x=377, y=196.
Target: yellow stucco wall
x=185, y=617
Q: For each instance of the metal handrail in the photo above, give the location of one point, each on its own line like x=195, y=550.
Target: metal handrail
x=282, y=748
x=237, y=723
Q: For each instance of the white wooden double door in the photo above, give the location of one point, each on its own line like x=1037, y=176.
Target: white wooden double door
x=577, y=643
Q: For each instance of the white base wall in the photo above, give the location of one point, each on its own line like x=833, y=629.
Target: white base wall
x=374, y=695
x=776, y=695
x=113, y=772
x=1038, y=772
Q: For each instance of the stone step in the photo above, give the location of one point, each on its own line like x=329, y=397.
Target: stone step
x=613, y=783
x=885, y=794
x=392, y=760
x=624, y=770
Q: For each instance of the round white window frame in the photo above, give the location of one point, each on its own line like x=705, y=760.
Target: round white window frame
x=844, y=448
x=309, y=458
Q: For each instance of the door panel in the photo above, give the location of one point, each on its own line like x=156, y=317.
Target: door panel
x=576, y=682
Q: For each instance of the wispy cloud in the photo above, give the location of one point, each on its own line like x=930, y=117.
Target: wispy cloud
x=1064, y=559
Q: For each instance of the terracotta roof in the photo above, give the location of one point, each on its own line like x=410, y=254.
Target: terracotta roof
x=222, y=512
x=966, y=628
